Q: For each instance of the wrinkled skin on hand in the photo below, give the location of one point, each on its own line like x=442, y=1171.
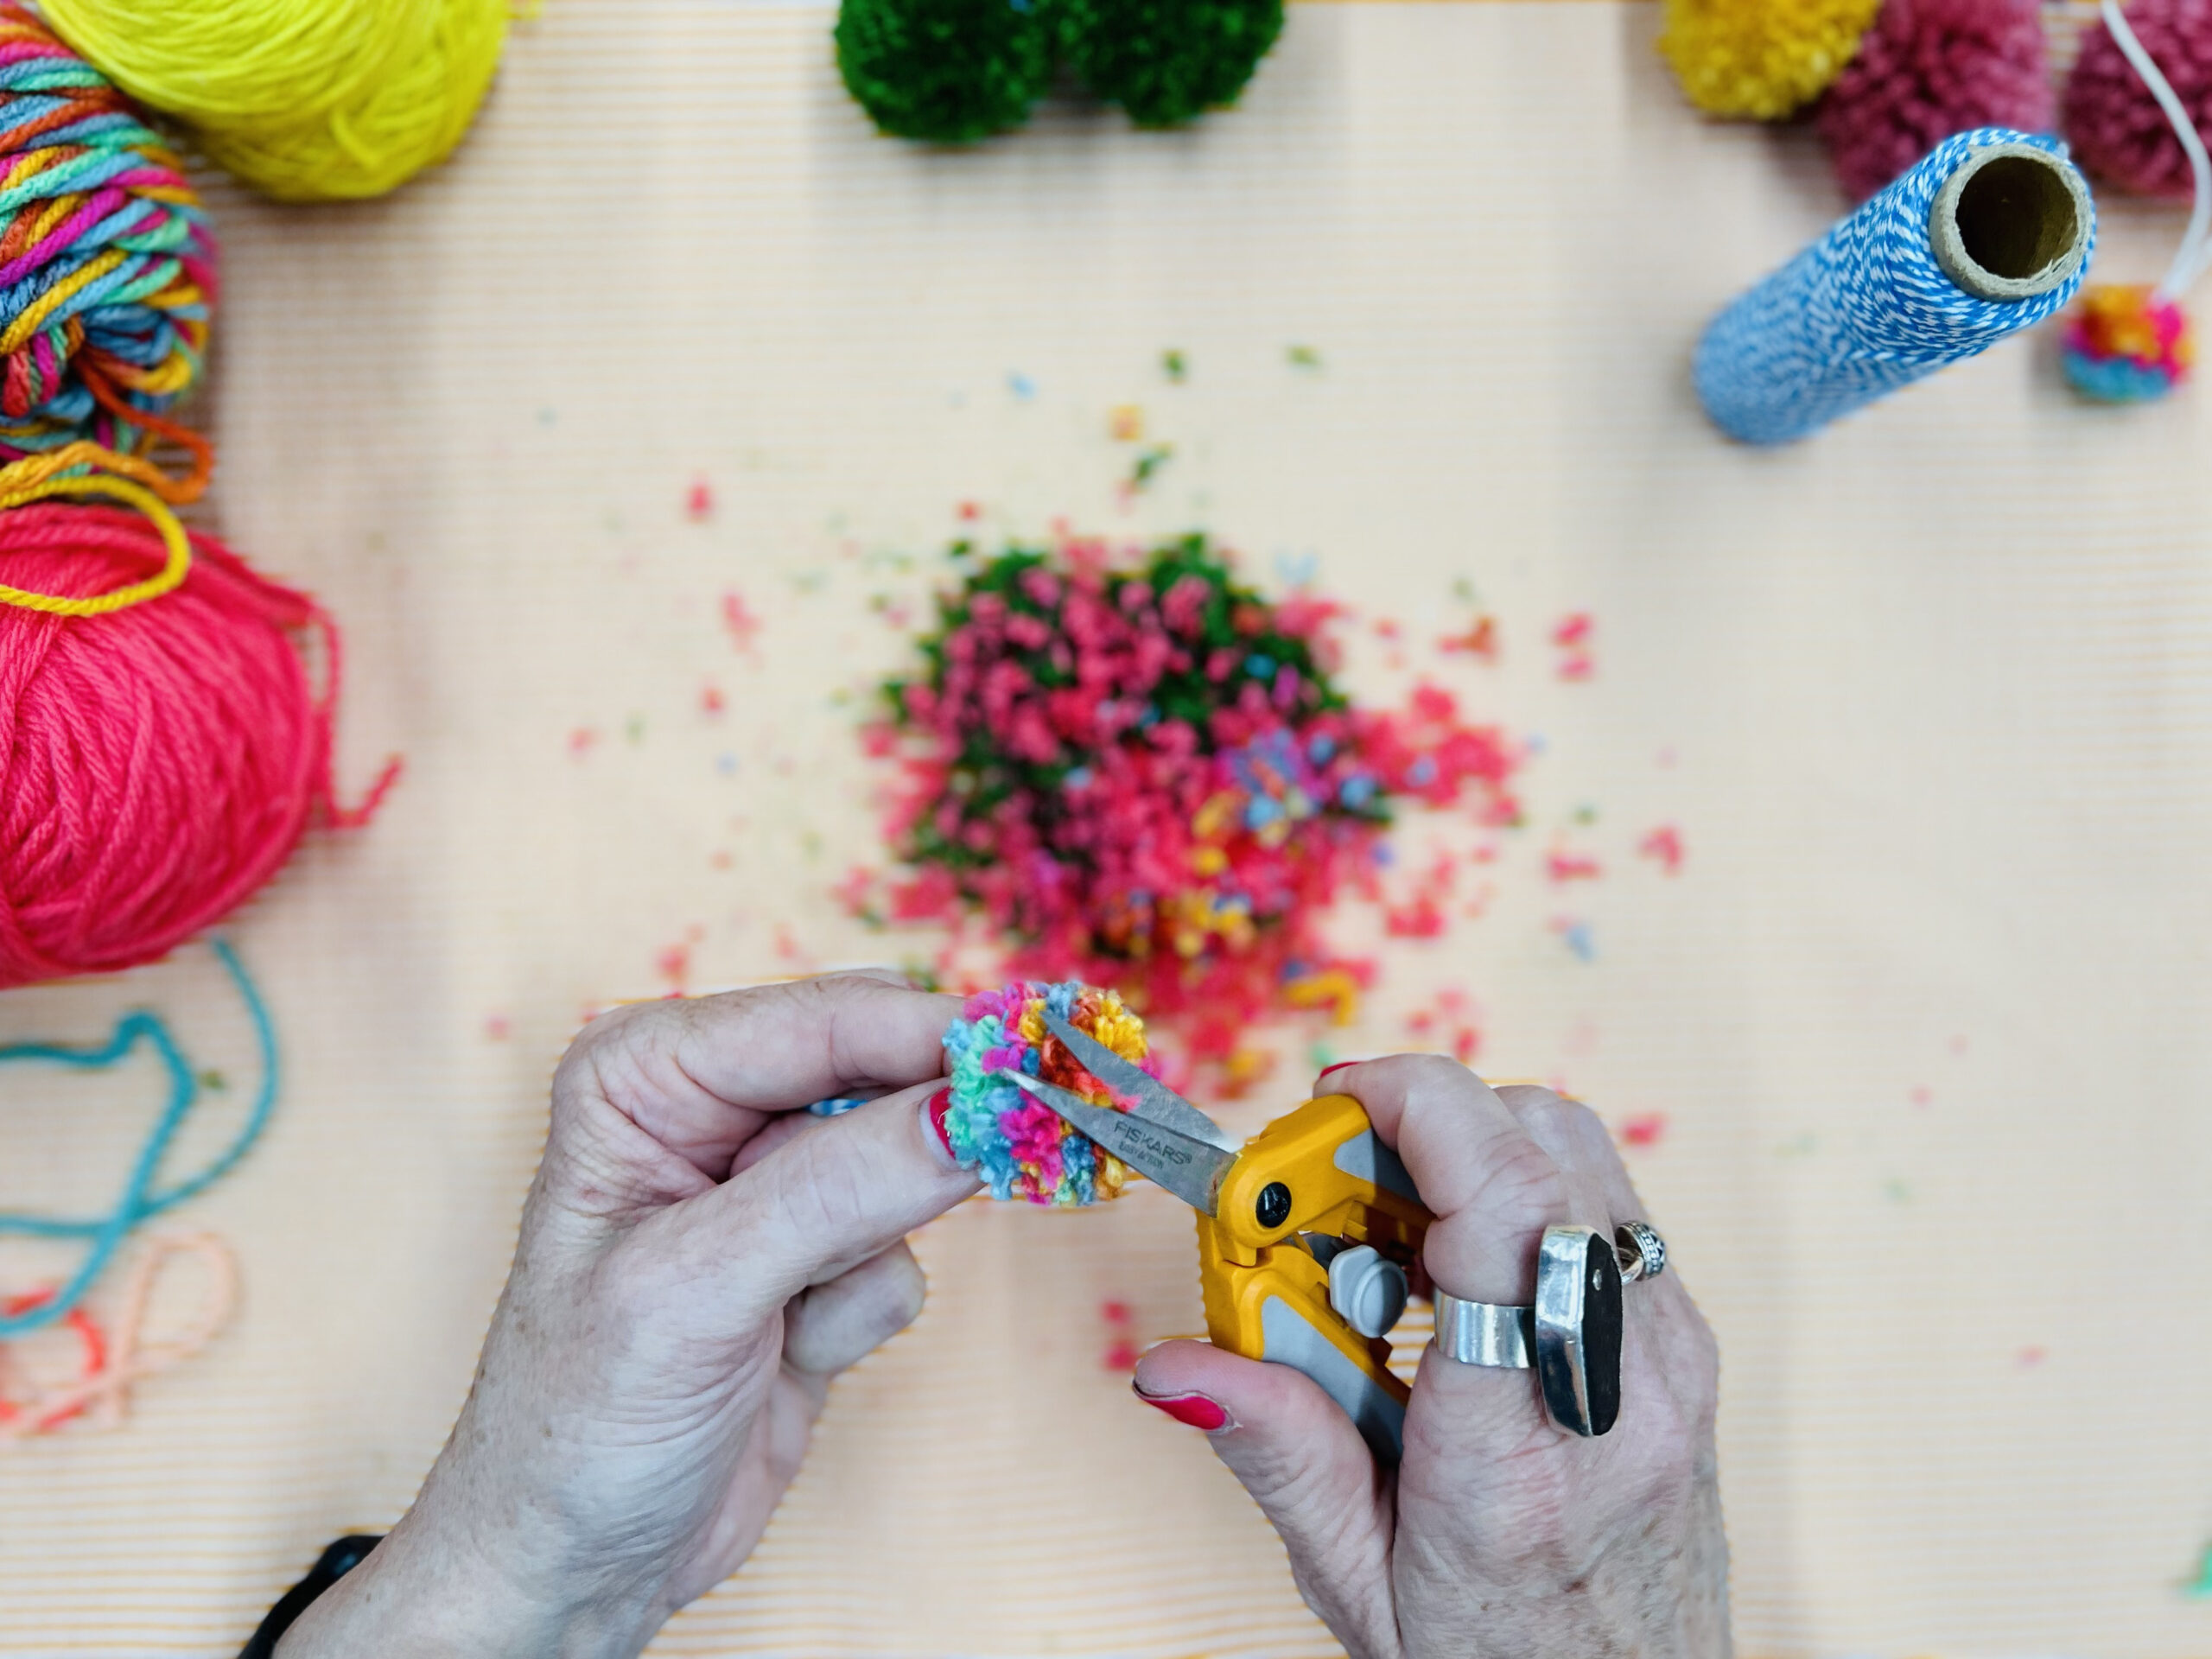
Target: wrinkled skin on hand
x=697, y=1259
x=1499, y=1535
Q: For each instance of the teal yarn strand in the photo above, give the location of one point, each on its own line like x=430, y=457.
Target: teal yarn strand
x=142, y=1198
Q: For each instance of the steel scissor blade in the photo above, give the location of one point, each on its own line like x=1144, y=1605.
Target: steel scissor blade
x=1189, y=1168
x=1154, y=1100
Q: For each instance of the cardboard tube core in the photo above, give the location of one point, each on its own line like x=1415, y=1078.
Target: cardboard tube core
x=2011, y=223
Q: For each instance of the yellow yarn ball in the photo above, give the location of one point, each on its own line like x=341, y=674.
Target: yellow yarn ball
x=309, y=100
x=1764, y=59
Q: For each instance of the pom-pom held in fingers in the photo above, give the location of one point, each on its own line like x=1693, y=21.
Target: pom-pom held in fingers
x=2126, y=345
x=107, y=266
x=1760, y=60
x=1020, y=1147
x=1168, y=61
x=158, y=764
x=947, y=71
x=307, y=100
x=2112, y=119
x=1927, y=69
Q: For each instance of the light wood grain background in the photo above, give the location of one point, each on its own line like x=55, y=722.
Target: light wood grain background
x=1928, y=697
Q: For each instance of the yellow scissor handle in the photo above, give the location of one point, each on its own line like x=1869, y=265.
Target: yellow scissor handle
x=1320, y=1170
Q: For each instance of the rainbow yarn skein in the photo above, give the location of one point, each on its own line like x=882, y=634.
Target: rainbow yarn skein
x=1022, y=1147
x=107, y=264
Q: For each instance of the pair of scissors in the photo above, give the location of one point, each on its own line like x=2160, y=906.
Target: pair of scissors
x=1306, y=1232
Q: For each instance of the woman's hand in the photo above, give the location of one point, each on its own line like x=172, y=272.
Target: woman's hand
x=697, y=1260
x=1499, y=1535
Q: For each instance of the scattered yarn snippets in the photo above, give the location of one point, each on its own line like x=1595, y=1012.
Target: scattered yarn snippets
x=2115, y=120
x=156, y=765
x=1168, y=61
x=1663, y=846
x=113, y=1358
x=1763, y=59
x=142, y=1198
x=1929, y=68
x=1867, y=308
x=2201, y=1587
x=1133, y=768
x=946, y=70
x=307, y=100
x=107, y=264
x=1022, y=1147
x=2125, y=345
x=2129, y=345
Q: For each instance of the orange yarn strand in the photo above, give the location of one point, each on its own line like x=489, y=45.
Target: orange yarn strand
x=111, y=1364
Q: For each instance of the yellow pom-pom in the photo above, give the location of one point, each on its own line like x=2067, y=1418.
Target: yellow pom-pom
x=1761, y=59
x=309, y=100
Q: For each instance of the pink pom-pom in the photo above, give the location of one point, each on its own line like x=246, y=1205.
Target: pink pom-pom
x=2113, y=123
x=1927, y=69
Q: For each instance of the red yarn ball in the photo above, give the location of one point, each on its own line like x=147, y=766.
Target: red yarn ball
x=2116, y=127
x=1927, y=69
x=158, y=764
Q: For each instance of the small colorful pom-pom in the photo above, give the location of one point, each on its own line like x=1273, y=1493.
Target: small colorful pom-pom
x=1022, y=1147
x=2125, y=345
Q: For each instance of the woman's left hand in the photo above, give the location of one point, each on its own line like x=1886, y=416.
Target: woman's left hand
x=697, y=1259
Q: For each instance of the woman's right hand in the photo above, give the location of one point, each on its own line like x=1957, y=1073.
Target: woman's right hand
x=1499, y=1534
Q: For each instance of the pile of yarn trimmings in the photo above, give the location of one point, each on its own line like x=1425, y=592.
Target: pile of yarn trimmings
x=161, y=745
x=308, y=100
x=1136, y=770
x=1022, y=1147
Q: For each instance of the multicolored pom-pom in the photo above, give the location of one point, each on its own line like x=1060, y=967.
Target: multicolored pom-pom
x=1927, y=69
x=1761, y=59
x=1022, y=1147
x=2125, y=345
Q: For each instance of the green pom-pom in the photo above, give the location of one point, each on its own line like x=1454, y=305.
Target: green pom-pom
x=951, y=71
x=1166, y=61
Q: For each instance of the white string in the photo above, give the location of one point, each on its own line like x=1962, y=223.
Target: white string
x=2195, y=250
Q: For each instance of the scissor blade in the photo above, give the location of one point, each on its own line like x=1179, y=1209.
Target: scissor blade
x=1154, y=1100
x=1190, y=1169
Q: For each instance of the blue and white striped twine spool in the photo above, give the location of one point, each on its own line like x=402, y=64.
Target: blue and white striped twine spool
x=1866, y=309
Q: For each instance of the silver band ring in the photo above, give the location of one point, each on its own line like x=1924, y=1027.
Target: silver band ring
x=1571, y=1335
x=1643, y=1252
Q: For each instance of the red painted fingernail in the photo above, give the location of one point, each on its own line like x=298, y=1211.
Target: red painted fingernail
x=1338, y=1066
x=933, y=1112
x=1192, y=1409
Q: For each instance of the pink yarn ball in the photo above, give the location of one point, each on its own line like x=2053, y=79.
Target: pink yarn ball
x=2114, y=124
x=156, y=765
x=1927, y=69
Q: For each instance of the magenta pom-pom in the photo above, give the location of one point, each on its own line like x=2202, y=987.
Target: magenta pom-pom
x=2112, y=121
x=1927, y=69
